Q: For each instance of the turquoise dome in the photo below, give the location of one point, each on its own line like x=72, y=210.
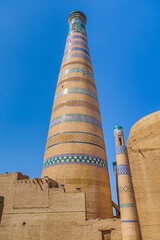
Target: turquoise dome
x=118, y=128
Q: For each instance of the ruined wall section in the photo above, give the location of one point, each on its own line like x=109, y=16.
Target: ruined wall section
x=27, y=200
x=7, y=188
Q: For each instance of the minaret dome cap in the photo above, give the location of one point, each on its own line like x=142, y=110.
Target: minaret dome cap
x=118, y=128
x=77, y=14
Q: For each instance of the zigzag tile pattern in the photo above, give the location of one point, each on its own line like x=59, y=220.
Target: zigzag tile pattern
x=75, y=137
x=75, y=159
x=121, y=149
x=122, y=169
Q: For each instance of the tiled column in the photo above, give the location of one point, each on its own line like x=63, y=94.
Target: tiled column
x=75, y=151
x=129, y=219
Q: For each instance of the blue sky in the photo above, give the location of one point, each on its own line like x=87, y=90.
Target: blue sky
x=124, y=42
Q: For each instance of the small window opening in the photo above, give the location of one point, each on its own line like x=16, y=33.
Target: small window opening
x=74, y=27
x=120, y=141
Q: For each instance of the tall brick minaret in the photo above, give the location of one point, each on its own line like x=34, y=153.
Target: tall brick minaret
x=129, y=217
x=75, y=154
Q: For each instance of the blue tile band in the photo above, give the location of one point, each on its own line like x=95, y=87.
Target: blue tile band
x=81, y=70
x=76, y=49
x=75, y=37
x=76, y=78
x=128, y=221
x=89, y=143
x=121, y=149
x=76, y=43
x=122, y=169
x=75, y=118
x=76, y=55
x=76, y=90
x=127, y=205
x=76, y=103
x=75, y=159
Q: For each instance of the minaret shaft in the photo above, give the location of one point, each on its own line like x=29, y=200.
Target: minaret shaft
x=75, y=153
x=129, y=218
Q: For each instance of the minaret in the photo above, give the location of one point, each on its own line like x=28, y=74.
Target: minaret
x=75, y=154
x=129, y=219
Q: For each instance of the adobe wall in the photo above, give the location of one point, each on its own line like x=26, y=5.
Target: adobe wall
x=54, y=230
x=144, y=157
x=7, y=188
x=39, y=210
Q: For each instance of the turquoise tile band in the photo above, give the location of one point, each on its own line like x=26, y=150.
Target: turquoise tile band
x=76, y=70
x=76, y=90
x=127, y=205
x=75, y=159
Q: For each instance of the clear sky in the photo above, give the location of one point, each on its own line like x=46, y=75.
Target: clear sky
x=124, y=42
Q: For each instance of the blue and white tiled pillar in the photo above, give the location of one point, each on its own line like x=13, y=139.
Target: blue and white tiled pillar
x=129, y=219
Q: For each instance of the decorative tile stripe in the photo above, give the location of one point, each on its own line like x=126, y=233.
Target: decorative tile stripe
x=77, y=15
x=89, y=143
x=77, y=31
x=124, y=189
x=75, y=137
x=76, y=103
x=121, y=149
x=76, y=49
x=75, y=159
x=128, y=221
x=75, y=118
x=76, y=43
x=127, y=205
x=81, y=70
x=76, y=55
x=79, y=61
x=76, y=132
x=76, y=78
x=76, y=36
x=76, y=90
x=74, y=20
x=122, y=169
